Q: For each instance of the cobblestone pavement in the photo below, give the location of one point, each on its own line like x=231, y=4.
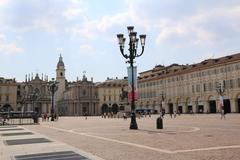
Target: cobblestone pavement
x=187, y=137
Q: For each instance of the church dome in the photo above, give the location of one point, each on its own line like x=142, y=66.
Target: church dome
x=60, y=62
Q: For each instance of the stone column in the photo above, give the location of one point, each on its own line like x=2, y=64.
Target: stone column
x=184, y=108
x=174, y=107
x=44, y=109
x=233, y=104
x=29, y=107
x=194, y=108
x=206, y=107
x=81, y=109
x=166, y=108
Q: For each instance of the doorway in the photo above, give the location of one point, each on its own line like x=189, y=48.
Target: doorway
x=212, y=106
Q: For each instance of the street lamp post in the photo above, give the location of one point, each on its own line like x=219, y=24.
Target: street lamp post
x=34, y=97
x=133, y=45
x=163, y=96
x=52, y=88
x=162, y=112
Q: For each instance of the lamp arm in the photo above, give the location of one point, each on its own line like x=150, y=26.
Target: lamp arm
x=122, y=52
x=138, y=55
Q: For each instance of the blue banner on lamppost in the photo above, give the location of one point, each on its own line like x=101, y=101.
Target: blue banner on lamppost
x=129, y=69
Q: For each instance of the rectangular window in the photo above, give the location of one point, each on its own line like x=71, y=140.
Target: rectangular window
x=229, y=68
x=231, y=83
x=238, y=82
x=210, y=86
x=221, y=70
x=204, y=87
x=236, y=67
x=7, y=98
x=193, y=89
x=198, y=88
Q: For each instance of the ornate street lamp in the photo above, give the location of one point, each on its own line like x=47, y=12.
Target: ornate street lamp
x=33, y=97
x=52, y=88
x=162, y=105
x=133, y=45
x=162, y=112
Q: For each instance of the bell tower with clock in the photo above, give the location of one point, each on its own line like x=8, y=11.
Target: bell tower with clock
x=60, y=78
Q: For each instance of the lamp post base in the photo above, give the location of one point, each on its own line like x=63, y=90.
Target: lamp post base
x=52, y=116
x=133, y=124
x=159, y=123
x=52, y=119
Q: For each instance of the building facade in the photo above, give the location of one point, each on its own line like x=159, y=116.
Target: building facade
x=192, y=88
x=185, y=88
x=113, y=96
x=8, y=94
x=34, y=95
x=79, y=98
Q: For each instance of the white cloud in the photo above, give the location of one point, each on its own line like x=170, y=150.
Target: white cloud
x=195, y=28
x=82, y=31
x=10, y=48
x=45, y=23
x=3, y=2
x=72, y=13
x=2, y=37
x=86, y=49
x=59, y=50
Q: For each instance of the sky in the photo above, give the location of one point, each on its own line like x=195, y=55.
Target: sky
x=33, y=33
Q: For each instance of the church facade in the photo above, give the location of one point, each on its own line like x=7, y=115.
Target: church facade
x=75, y=98
x=34, y=95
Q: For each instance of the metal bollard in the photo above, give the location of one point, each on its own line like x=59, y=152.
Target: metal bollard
x=159, y=123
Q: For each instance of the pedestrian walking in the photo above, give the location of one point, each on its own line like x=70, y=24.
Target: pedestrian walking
x=223, y=114
x=175, y=114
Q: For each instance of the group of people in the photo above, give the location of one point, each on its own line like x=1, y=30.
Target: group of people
x=109, y=115
x=46, y=116
x=171, y=113
x=143, y=114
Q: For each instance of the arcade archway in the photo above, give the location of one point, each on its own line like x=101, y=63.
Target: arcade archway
x=115, y=108
x=6, y=108
x=104, y=108
x=212, y=105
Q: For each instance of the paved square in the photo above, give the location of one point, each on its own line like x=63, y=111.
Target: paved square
x=185, y=137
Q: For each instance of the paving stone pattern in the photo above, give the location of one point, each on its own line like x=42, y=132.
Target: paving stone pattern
x=187, y=137
x=21, y=144
x=64, y=155
x=16, y=134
